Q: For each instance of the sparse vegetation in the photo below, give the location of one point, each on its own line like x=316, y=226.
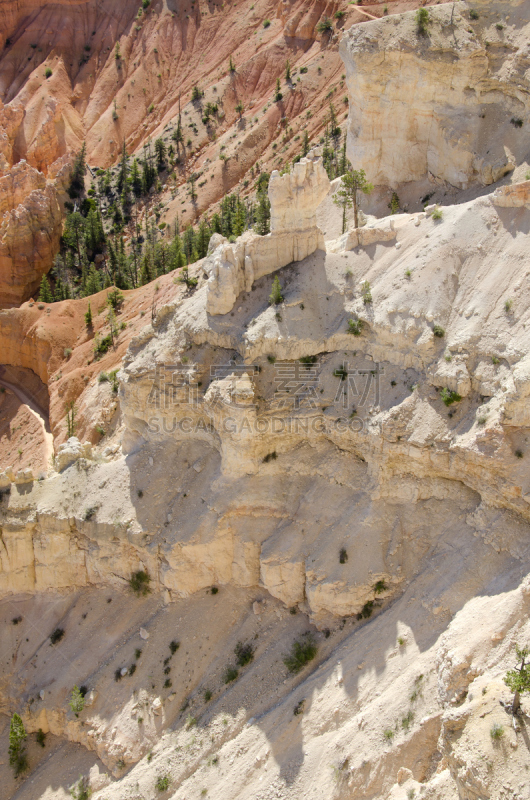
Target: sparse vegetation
x=366, y=292
x=174, y=646
x=77, y=700
x=388, y=734
x=407, y=720
x=518, y=678
x=207, y=695
x=139, y=582
x=508, y=304
x=80, y=790
x=270, y=457
x=449, y=396
x=325, y=26
x=244, y=653
x=162, y=783
x=355, y=327
x=56, y=635
x=380, y=587
x=299, y=708
x=422, y=21
x=276, y=296
x=438, y=331
x=400, y=641
x=17, y=745
x=343, y=556
x=437, y=214
x=496, y=731
x=230, y=674
x=302, y=652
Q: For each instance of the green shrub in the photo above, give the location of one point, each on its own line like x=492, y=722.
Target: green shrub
x=266, y=23
x=77, y=700
x=496, y=731
x=115, y=299
x=519, y=454
x=207, y=695
x=343, y=555
x=139, y=582
x=244, y=653
x=366, y=610
x=437, y=213
x=388, y=734
x=325, y=26
x=230, y=674
x=302, y=652
x=276, y=296
x=101, y=346
x=449, y=396
x=508, y=305
x=407, y=721
x=422, y=20
x=438, y=331
x=174, y=646
x=355, y=326
x=41, y=737
x=270, y=457
x=162, y=783
x=48, y=73
x=366, y=292
x=379, y=587
x=17, y=747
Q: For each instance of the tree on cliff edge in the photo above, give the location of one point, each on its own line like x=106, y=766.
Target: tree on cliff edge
x=352, y=182
x=518, y=678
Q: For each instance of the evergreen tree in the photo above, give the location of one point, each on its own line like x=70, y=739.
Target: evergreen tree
x=518, y=678
x=77, y=180
x=287, y=71
x=353, y=181
x=77, y=701
x=88, y=316
x=135, y=178
x=17, y=748
x=305, y=145
x=93, y=282
x=278, y=94
x=263, y=210
x=123, y=170
x=45, y=292
x=161, y=154
x=276, y=296
x=177, y=134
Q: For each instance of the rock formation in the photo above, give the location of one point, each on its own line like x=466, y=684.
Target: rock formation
x=468, y=120
x=294, y=235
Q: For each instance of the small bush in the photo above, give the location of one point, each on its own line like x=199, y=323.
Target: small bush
x=48, y=73
x=508, y=305
x=400, y=641
x=366, y=293
x=230, y=674
x=214, y=590
x=162, y=783
x=77, y=701
x=56, y=636
x=271, y=359
x=343, y=555
x=299, y=708
x=407, y=721
x=355, y=326
x=207, y=695
x=67, y=352
x=449, y=396
x=276, y=296
x=132, y=669
x=190, y=721
x=270, y=457
x=266, y=23
x=137, y=653
x=422, y=20
x=139, y=582
x=518, y=453
x=302, y=652
x=167, y=683
x=473, y=14
x=366, y=610
x=115, y=299
x=516, y=122
x=41, y=738
x=325, y=25
x=174, y=646
x=437, y=214
x=496, y=731
x=388, y=734
x=244, y=653
x=379, y=587
x=438, y=331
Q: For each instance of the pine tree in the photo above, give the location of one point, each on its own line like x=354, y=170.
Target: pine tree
x=123, y=170
x=278, y=95
x=231, y=65
x=177, y=135
x=93, y=281
x=88, y=316
x=263, y=214
x=305, y=146
x=518, y=679
x=77, y=180
x=287, y=71
x=135, y=178
x=17, y=748
x=352, y=182
x=161, y=154
x=45, y=292
x=276, y=296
